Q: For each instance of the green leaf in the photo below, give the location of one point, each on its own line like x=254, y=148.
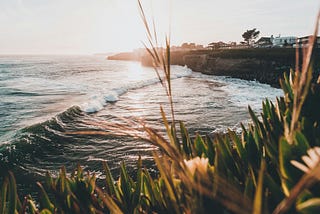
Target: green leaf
x=252, y=150
x=166, y=124
x=109, y=202
x=267, y=109
x=62, y=179
x=239, y=147
x=175, y=138
x=200, y=146
x=276, y=194
x=249, y=187
x=301, y=141
x=226, y=158
x=153, y=190
x=254, y=117
x=45, y=211
x=44, y=199
x=285, y=156
x=287, y=152
x=168, y=182
x=49, y=181
x=136, y=199
x=125, y=186
x=111, y=187
x=3, y=198
x=186, y=141
x=258, y=198
x=92, y=184
x=286, y=86
x=31, y=205
x=13, y=196
x=211, y=150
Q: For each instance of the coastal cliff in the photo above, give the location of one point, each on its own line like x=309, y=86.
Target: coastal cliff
x=263, y=65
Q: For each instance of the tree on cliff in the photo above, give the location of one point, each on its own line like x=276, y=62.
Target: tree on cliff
x=250, y=35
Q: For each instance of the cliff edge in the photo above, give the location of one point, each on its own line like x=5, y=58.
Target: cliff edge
x=265, y=65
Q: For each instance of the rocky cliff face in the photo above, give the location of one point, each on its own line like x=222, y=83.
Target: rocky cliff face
x=196, y=63
x=264, y=71
x=263, y=65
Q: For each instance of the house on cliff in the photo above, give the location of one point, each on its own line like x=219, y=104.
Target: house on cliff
x=221, y=45
x=303, y=41
x=187, y=46
x=263, y=42
x=283, y=41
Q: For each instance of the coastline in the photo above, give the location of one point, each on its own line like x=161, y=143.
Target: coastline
x=265, y=65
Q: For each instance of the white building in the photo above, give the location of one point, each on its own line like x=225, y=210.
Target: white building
x=282, y=41
x=304, y=41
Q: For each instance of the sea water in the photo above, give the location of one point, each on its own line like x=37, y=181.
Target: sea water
x=45, y=98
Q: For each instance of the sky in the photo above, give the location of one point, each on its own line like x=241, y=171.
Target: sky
x=99, y=26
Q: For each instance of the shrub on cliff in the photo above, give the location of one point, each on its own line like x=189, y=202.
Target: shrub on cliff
x=250, y=35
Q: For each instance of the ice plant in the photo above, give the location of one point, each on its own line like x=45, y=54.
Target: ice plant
x=311, y=160
x=311, y=167
x=199, y=164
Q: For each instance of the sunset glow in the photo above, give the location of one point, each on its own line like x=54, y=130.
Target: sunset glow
x=72, y=27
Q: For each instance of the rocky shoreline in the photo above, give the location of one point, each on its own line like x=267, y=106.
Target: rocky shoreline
x=262, y=65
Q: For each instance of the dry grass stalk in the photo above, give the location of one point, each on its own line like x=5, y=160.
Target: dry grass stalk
x=301, y=83
x=161, y=59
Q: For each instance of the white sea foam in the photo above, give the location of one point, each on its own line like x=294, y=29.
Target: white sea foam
x=110, y=98
x=97, y=102
x=244, y=93
x=242, y=96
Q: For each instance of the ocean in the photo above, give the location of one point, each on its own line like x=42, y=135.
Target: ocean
x=45, y=98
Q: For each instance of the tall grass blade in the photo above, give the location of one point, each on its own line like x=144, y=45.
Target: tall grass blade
x=302, y=83
x=108, y=201
x=258, y=198
x=44, y=199
x=13, y=195
x=125, y=186
x=110, y=184
x=166, y=176
x=186, y=141
x=3, y=198
x=32, y=208
x=310, y=206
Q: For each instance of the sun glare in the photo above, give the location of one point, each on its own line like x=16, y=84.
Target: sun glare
x=135, y=71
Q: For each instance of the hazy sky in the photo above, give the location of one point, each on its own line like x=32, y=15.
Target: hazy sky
x=93, y=26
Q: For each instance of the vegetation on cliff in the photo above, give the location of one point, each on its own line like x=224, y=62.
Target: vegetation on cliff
x=250, y=35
